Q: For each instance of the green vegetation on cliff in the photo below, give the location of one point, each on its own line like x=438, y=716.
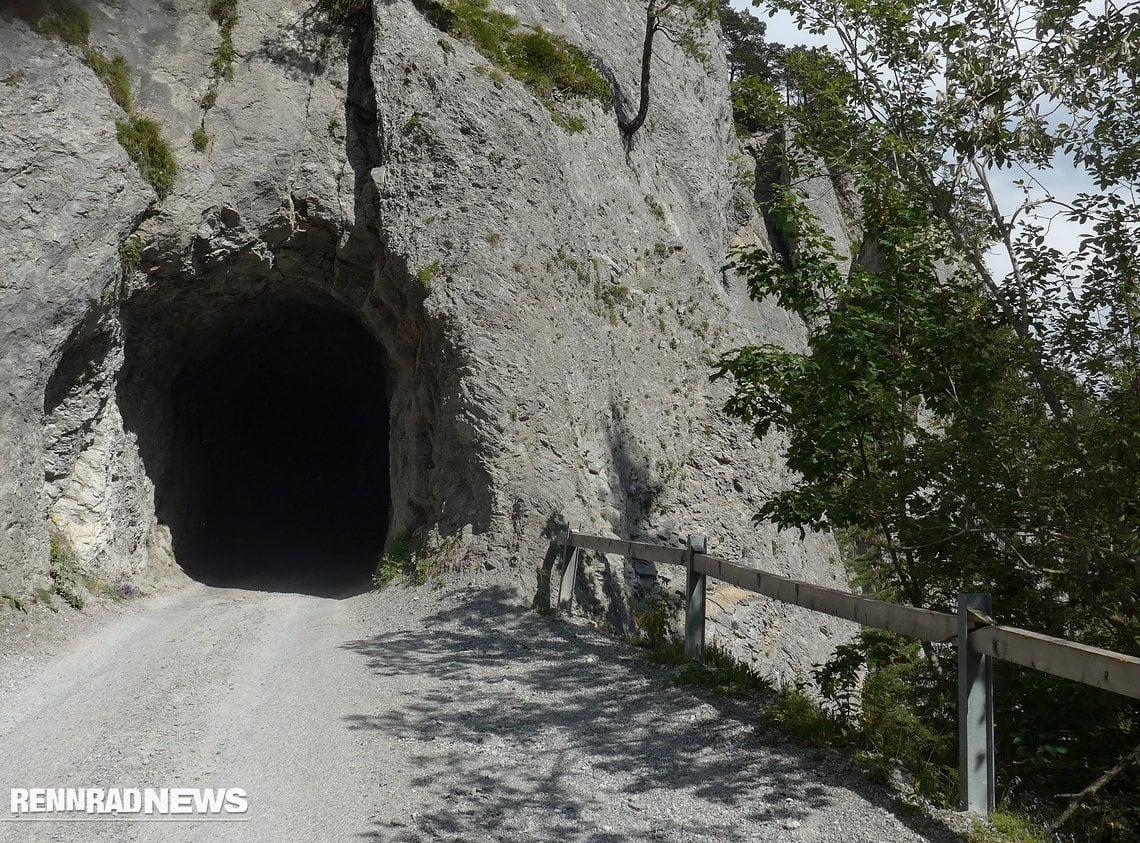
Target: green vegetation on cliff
x=224, y=14
x=342, y=12
x=114, y=73
x=552, y=67
x=685, y=24
x=65, y=572
x=140, y=136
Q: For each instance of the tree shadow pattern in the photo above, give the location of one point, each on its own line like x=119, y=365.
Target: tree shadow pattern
x=514, y=726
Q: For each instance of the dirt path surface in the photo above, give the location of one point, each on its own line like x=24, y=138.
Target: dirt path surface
x=407, y=716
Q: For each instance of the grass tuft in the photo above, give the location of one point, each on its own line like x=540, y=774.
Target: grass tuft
x=573, y=124
x=142, y=138
x=549, y=65
x=1005, y=827
x=800, y=717
x=139, y=136
x=67, y=22
x=224, y=14
x=19, y=604
x=115, y=75
x=426, y=274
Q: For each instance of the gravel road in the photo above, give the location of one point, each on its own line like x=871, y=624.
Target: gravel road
x=408, y=715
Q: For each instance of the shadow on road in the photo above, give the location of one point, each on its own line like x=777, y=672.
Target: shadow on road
x=295, y=579
x=526, y=727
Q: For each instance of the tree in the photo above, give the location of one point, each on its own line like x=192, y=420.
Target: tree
x=682, y=22
x=748, y=54
x=968, y=428
x=807, y=79
x=764, y=78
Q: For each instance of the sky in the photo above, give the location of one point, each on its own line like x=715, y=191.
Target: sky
x=1064, y=181
x=782, y=29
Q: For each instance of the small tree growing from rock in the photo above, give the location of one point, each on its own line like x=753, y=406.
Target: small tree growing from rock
x=681, y=22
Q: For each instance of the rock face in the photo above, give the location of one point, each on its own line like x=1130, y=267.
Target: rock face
x=543, y=303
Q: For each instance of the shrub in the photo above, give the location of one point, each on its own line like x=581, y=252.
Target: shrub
x=406, y=560
x=200, y=139
x=725, y=674
x=894, y=704
x=141, y=137
x=64, y=571
x=388, y=570
x=343, y=12
x=224, y=14
x=130, y=253
x=399, y=561
x=657, y=617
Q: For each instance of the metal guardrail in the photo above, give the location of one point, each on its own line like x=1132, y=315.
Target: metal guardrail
x=978, y=637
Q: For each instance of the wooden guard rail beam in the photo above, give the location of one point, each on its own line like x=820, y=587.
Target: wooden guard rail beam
x=1103, y=669
x=978, y=638
x=905, y=620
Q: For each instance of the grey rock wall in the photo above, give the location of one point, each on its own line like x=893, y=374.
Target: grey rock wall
x=68, y=197
x=548, y=302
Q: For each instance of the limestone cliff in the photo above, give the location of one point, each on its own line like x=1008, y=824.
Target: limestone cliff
x=543, y=300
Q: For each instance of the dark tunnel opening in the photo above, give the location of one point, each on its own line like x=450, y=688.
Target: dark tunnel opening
x=279, y=452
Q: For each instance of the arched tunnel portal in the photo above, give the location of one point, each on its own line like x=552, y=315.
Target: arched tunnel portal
x=265, y=429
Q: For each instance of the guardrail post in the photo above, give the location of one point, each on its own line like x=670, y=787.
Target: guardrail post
x=695, y=603
x=975, y=711
x=569, y=572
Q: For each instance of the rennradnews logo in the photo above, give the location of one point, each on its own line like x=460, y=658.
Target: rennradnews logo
x=128, y=801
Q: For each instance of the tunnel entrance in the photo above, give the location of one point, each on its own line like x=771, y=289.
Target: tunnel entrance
x=277, y=454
